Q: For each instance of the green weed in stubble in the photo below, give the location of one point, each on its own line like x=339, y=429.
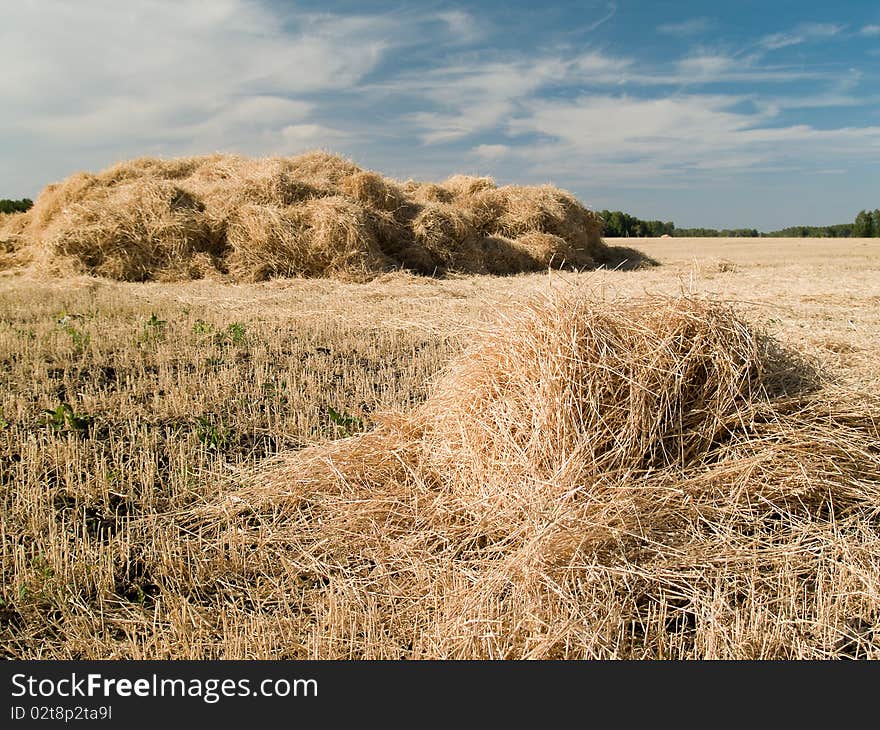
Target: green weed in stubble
x=64, y=418
x=41, y=581
x=201, y=327
x=79, y=339
x=234, y=334
x=153, y=330
x=347, y=425
x=214, y=436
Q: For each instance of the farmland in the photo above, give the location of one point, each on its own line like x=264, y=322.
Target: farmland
x=130, y=411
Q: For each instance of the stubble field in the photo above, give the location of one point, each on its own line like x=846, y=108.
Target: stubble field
x=125, y=408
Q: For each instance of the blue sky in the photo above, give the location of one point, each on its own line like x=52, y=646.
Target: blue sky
x=760, y=114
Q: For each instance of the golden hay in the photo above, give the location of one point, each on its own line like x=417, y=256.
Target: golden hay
x=443, y=231
x=467, y=185
x=545, y=209
x=321, y=236
x=551, y=251
x=11, y=227
x=12, y=224
x=323, y=168
x=578, y=390
x=596, y=479
x=145, y=218
x=264, y=182
x=428, y=192
x=132, y=230
x=266, y=240
x=373, y=191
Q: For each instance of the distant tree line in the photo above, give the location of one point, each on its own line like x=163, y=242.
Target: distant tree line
x=15, y=206
x=841, y=230
x=723, y=233
x=622, y=225
x=867, y=224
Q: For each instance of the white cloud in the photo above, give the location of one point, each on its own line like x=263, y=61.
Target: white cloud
x=610, y=12
x=610, y=126
x=491, y=151
x=800, y=34
x=870, y=30
x=462, y=26
x=595, y=67
x=462, y=100
x=693, y=26
x=181, y=75
x=296, y=138
x=708, y=66
x=474, y=98
x=637, y=140
x=214, y=123
x=156, y=47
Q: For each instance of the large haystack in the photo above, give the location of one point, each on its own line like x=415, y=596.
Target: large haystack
x=313, y=215
x=594, y=479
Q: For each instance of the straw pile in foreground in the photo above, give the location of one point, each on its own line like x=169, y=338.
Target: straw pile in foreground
x=313, y=215
x=594, y=479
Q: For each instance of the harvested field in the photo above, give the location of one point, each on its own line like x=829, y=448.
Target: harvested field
x=316, y=215
x=679, y=461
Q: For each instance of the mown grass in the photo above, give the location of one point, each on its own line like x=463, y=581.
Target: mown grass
x=113, y=410
x=125, y=407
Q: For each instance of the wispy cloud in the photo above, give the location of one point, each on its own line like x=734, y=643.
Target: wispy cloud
x=706, y=67
x=711, y=66
x=491, y=151
x=184, y=74
x=186, y=77
x=694, y=26
x=610, y=12
x=470, y=98
x=870, y=30
x=463, y=27
x=800, y=34
x=462, y=100
x=652, y=142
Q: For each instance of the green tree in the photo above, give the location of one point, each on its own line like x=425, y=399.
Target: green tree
x=15, y=206
x=864, y=225
x=618, y=223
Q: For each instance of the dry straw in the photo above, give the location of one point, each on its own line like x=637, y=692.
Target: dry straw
x=594, y=479
x=313, y=215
